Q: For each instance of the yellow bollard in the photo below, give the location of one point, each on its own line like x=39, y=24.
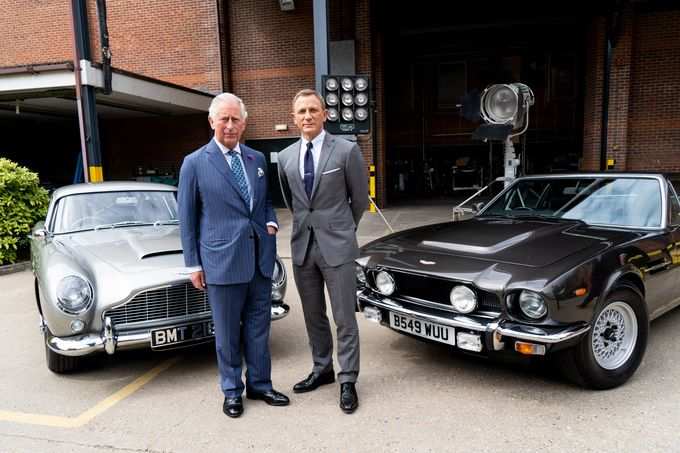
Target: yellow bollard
x=371, y=187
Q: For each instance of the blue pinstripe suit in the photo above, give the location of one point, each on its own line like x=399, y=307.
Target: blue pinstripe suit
x=220, y=233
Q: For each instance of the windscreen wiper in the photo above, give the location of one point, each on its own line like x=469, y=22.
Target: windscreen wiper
x=166, y=222
x=123, y=223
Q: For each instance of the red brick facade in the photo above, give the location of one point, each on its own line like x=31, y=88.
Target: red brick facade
x=644, y=122
x=265, y=55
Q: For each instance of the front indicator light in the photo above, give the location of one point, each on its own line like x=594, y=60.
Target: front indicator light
x=529, y=348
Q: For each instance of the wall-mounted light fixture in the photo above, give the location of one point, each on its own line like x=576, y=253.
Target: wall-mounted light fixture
x=287, y=5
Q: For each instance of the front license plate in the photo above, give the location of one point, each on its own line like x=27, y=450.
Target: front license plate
x=182, y=334
x=425, y=329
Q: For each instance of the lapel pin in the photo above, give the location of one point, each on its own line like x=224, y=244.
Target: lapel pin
x=260, y=172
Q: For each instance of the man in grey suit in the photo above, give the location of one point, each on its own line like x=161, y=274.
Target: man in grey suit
x=325, y=184
x=228, y=232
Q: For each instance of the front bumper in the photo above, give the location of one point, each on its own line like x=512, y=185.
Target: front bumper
x=111, y=340
x=496, y=332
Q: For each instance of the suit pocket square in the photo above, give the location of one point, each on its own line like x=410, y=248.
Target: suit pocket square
x=331, y=171
x=260, y=172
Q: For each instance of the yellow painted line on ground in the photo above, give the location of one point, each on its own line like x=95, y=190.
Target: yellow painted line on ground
x=88, y=415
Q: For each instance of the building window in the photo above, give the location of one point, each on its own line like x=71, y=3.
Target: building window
x=451, y=84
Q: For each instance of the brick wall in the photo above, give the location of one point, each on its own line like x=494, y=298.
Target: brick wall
x=654, y=122
x=272, y=57
x=592, y=105
x=644, y=122
x=35, y=32
x=172, y=40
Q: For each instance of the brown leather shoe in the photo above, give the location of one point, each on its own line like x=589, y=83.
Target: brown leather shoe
x=313, y=381
x=349, y=400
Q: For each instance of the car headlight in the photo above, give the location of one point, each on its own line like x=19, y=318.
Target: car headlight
x=385, y=283
x=532, y=304
x=74, y=294
x=361, y=274
x=463, y=299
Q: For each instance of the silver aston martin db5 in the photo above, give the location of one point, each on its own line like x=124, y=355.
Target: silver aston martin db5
x=109, y=274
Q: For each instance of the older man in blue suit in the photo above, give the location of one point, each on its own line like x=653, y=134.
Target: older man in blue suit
x=228, y=231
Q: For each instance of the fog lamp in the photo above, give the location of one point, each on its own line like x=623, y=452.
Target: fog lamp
x=463, y=299
x=372, y=314
x=384, y=283
x=532, y=304
x=469, y=341
x=77, y=326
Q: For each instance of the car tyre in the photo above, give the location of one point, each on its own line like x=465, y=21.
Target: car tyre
x=61, y=364
x=611, y=351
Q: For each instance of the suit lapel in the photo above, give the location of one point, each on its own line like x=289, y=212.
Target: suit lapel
x=216, y=157
x=294, y=166
x=249, y=162
x=326, y=151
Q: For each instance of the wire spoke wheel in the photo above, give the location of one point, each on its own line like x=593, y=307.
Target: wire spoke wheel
x=614, y=335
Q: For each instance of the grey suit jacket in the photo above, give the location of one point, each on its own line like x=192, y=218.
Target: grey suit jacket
x=339, y=199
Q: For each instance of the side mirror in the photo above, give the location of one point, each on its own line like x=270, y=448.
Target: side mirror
x=40, y=234
x=476, y=207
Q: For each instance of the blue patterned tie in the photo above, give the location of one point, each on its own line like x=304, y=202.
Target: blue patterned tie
x=239, y=175
x=309, y=170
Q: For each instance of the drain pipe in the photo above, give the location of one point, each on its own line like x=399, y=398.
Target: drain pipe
x=605, y=94
x=104, y=43
x=85, y=96
x=612, y=32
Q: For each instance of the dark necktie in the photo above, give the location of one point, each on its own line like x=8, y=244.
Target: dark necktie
x=239, y=175
x=309, y=170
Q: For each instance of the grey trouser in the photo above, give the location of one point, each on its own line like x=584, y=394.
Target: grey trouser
x=341, y=284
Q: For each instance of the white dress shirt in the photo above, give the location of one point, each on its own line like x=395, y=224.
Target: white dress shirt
x=317, y=143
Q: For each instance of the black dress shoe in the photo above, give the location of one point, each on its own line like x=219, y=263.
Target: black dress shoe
x=312, y=381
x=272, y=397
x=233, y=407
x=349, y=400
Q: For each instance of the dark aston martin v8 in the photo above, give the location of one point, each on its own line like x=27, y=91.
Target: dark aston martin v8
x=575, y=265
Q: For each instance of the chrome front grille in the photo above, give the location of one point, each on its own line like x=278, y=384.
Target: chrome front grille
x=159, y=304
x=435, y=290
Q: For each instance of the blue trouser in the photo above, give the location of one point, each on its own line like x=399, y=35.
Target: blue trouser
x=242, y=309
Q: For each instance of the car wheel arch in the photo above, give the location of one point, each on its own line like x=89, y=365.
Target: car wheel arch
x=629, y=278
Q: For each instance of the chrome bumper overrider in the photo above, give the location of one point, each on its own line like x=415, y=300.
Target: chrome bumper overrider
x=489, y=326
x=111, y=341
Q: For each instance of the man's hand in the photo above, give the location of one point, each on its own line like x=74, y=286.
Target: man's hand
x=198, y=280
x=271, y=230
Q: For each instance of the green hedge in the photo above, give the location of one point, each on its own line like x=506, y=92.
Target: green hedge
x=22, y=203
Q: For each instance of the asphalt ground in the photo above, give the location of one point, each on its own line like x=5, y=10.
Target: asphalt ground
x=414, y=396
